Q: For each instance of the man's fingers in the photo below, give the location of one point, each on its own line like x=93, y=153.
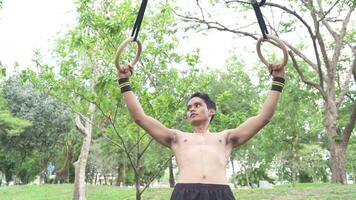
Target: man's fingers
x=124, y=68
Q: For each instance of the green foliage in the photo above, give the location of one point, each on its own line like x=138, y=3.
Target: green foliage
x=351, y=158
x=252, y=176
x=236, y=96
x=10, y=125
x=50, y=120
x=313, y=161
x=11, y=130
x=28, y=170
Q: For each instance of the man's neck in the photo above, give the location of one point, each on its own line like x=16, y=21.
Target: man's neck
x=201, y=129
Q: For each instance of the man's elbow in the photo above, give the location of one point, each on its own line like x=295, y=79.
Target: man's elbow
x=138, y=119
x=265, y=119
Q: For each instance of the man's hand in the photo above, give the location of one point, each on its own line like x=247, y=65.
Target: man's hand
x=125, y=71
x=276, y=71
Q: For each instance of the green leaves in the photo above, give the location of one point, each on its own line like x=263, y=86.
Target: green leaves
x=313, y=162
x=10, y=125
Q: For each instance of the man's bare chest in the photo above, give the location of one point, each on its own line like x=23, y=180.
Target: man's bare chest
x=194, y=146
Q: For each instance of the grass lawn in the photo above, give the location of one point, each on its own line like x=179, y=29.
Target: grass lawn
x=94, y=192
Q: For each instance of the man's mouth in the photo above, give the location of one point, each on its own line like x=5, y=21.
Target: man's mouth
x=193, y=115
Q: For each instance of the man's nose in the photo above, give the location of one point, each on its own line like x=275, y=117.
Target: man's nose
x=192, y=109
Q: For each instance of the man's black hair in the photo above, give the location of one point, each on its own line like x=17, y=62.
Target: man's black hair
x=209, y=103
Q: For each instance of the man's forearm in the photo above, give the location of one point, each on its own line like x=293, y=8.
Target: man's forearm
x=133, y=105
x=270, y=105
x=271, y=102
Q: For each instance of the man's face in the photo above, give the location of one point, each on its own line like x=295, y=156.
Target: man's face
x=197, y=111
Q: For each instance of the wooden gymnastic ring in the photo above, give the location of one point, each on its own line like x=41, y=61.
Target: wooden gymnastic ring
x=122, y=47
x=276, y=41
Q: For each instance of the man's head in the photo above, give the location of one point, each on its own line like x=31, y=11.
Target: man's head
x=200, y=108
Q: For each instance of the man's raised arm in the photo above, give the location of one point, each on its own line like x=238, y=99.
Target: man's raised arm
x=251, y=126
x=155, y=128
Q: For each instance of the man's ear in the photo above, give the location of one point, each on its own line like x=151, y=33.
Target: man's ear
x=212, y=111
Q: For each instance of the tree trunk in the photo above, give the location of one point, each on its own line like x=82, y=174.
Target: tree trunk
x=119, y=175
x=42, y=176
x=80, y=164
x=105, y=180
x=171, y=175
x=96, y=178
x=247, y=177
x=294, y=158
x=338, y=163
x=336, y=146
x=124, y=173
x=138, y=170
x=233, y=171
x=138, y=166
x=62, y=175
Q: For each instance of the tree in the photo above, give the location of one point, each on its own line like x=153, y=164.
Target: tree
x=323, y=55
x=11, y=129
x=10, y=125
x=50, y=120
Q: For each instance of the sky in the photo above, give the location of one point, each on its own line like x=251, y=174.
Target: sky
x=29, y=25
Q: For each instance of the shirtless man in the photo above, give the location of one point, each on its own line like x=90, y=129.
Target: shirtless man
x=202, y=156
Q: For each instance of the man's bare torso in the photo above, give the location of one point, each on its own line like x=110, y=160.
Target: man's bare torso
x=202, y=158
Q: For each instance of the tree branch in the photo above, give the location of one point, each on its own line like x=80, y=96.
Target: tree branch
x=215, y=25
x=318, y=36
x=327, y=12
x=201, y=9
x=302, y=56
x=145, y=149
x=316, y=67
x=304, y=79
x=117, y=133
x=340, y=38
x=350, y=126
x=300, y=18
x=79, y=124
x=345, y=87
x=155, y=175
x=325, y=23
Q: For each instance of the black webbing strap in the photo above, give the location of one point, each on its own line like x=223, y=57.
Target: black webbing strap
x=139, y=19
x=256, y=6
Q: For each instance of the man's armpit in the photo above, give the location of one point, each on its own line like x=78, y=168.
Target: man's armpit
x=233, y=141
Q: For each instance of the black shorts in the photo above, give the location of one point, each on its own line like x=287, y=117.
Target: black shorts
x=200, y=191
